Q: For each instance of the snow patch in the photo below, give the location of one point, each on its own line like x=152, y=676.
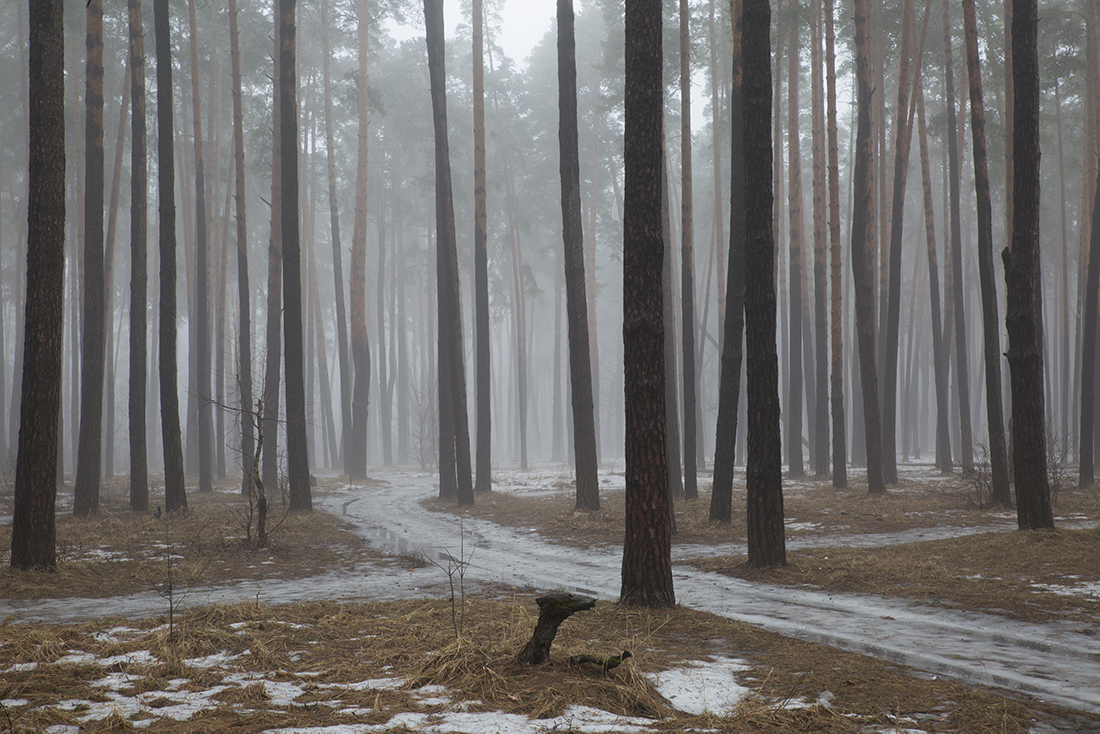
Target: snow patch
x=703, y=687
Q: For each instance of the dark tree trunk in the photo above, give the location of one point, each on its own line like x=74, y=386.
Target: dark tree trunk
x=580, y=363
x=337, y=250
x=1025, y=355
x=244, y=318
x=201, y=310
x=821, y=286
x=296, y=445
x=1086, y=473
x=139, y=193
x=33, y=523
x=998, y=453
x=862, y=239
x=450, y=302
x=647, y=563
x=892, y=337
x=839, y=453
x=269, y=435
x=355, y=453
x=88, y=463
x=482, y=335
x=687, y=262
x=962, y=378
x=175, y=497
x=764, y=479
x=729, y=385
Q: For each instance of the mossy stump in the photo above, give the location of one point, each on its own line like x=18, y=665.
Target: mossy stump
x=553, y=610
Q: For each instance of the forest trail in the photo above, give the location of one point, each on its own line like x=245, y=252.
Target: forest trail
x=1055, y=662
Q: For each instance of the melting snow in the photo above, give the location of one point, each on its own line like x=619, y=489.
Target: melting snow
x=703, y=687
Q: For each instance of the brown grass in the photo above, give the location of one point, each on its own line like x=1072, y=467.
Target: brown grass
x=325, y=647
x=117, y=552
x=1004, y=573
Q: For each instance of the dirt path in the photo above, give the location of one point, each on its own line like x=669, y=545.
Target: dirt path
x=1059, y=663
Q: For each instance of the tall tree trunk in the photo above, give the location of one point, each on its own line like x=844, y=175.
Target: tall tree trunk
x=729, y=385
x=862, y=239
x=764, y=480
x=687, y=262
x=355, y=454
x=33, y=531
x=269, y=435
x=1086, y=462
x=1025, y=356
x=998, y=453
x=716, y=165
x=337, y=250
x=201, y=311
x=452, y=369
x=482, y=335
x=668, y=316
x=821, y=318
x=1063, y=230
x=385, y=414
x=296, y=447
x=890, y=337
x=580, y=362
x=939, y=347
x=797, y=225
x=962, y=380
x=139, y=203
x=86, y=490
x=244, y=318
x=839, y=453
x=175, y=497
x=647, y=563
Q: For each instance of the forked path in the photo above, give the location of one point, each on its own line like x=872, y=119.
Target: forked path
x=1055, y=662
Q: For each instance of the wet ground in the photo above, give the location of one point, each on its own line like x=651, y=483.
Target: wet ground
x=1055, y=662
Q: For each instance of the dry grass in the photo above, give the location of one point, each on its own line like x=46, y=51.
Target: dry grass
x=814, y=507
x=117, y=552
x=325, y=648
x=1005, y=573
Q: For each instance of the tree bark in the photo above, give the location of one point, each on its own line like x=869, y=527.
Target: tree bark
x=862, y=239
x=33, y=531
x=998, y=453
x=962, y=381
x=820, y=458
x=1086, y=472
x=647, y=563
x=580, y=362
x=482, y=334
x=764, y=480
x=175, y=497
x=355, y=454
x=88, y=463
x=337, y=249
x=451, y=364
x=687, y=262
x=729, y=386
x=797, y=225
x=139, y=203
x=839, y=453
x=269, y=435
x=1025, y=355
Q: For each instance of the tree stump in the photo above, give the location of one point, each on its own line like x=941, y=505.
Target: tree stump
x=553, y=610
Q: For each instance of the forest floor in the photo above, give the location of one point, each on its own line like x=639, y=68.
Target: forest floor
x=211, y=645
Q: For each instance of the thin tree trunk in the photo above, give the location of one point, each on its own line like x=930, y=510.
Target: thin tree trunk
x=175, y=497
x=820, y=457
x=1086, y=472
x=687, y=263
x=139, y=203
x=998, y=453
x=355, y=454
x=451, y=364
x=484, y=450
x=385, y=413
x=962, y=381
x=839, y=453
x=729, y=386
x=86, y=490
x=862, y=242
x=580, y=361
x=270, y=392
x=797, y=225
x=716, y=165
